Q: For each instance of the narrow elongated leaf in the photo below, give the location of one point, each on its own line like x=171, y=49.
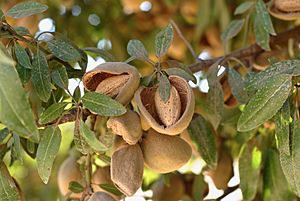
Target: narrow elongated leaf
x=265, y=103
x=16, y=150
x=282, y=130
x=283, y=67
x=199, y=186
x=47, y=150
x=90, y=138
x=163, y=41
x=52, y=113
x=243, y=7
x=25, y=9
x=15, y=111
x=232, y=29
x=102, y=53
x=111, y=188
x=275, y=185
x=102, y=105
x=135, y=48
x=215, y=97
x=60, y=77
x=22, y=56
x=22, y=31
x=261, y=35
x=164, y=87
x=75, y=187
x=80, y=144
x=8, y=188
x=290, y=164
x=24, y=73
x=41, y=76
x=237, y=85
x=263, y=15
x=3, y=134
x=64, y=50
x=181, y=73
x=1, y=15
x=249, y=169
x=202, y=134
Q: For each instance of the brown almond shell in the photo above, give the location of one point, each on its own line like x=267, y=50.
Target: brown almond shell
x=127, y=168
x=145, y=97
x=275, y=12
x=164, y=153
x=92, y=79
x=101, y=196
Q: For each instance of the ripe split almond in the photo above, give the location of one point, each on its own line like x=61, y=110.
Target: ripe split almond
x=116, y=79
x=285, y=9
x=169, y=118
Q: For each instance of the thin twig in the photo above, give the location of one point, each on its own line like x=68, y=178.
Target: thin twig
x=189, y=46
x=249, y=53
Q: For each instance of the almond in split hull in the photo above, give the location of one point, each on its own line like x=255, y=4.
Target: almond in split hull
x=127, y=168
x=111, y=86
x=287, y=5
x=168, y=112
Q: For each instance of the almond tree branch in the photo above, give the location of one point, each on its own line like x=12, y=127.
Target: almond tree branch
x=249, y=53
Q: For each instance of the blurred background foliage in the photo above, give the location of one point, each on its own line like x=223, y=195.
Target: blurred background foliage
x=110, y=24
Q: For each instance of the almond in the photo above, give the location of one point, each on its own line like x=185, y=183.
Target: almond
x=164, y=153
x=101, y=196
x=111, y=86
x=128, y=126
x=168, y=112
x=287, y=5
x=127, y=168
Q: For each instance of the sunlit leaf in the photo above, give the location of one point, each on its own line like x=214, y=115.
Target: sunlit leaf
x=135, y=48
x=265, y=103
x=163, y=41
x=264, y=17
x=41, y=77
x=102, y=105
x=15, y=111
x=243, y=7
x=25, y=9
x=52, y=112
x=91, y=139
x=261, y=35
x=8, y=188
x=47, y=150
x=202, y=134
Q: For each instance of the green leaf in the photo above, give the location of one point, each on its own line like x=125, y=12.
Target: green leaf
x=75, y=187
x=64, y=50
x=145, y=81
x=52, y=112
x=110, y=188
x=164, y=87
x=25, y=9
x=60, y=77
x=275, y=185
x=135, y=48
x=1, y=15
x=261, y=35
x=264, y=17
x=181, y=73
x=282, y=130
x=234, y=27
x=22, y=56
x=8, y=188
x=199, y=186
x=102, y=105
x=104, y=54
x=3, y=134
x=283, y=67
x=24, y=73
x=215, y=97
x=15, y=111
x=243, y=7
x=91, y=139
x=202, y=134
x=80, y=144
x=237, y=85
x=290, y=164
x=265, y=103
x=16, y=149
x=249, y=169
x=41, y=76
x=77, y=93
x=22, y=31
x=163, y=41
x=47, y=151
